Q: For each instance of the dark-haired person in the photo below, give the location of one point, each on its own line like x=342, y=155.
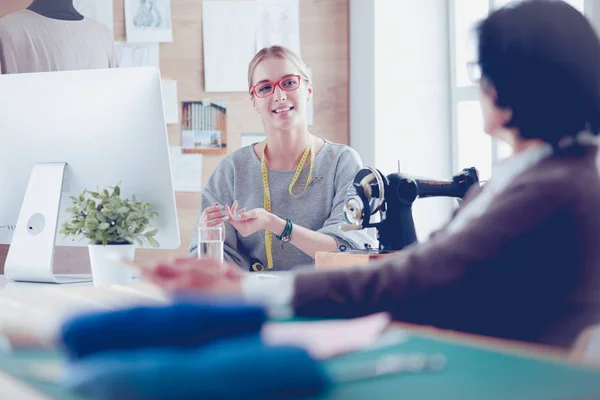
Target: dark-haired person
x=521, y=259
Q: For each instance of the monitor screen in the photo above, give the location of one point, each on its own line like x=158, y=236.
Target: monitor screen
x=108, y=126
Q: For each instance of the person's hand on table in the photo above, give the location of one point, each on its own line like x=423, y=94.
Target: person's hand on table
x=196, y=275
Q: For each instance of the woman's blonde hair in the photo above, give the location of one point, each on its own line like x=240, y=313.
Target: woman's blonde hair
x=277, y=52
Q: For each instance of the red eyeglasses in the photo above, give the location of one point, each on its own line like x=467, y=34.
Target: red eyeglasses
x=287, y=83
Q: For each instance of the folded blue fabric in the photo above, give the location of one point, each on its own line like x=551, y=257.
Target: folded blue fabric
x=182, y=324
x=233, y=368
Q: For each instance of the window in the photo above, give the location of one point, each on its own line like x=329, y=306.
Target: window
x=466, y=14
x=472, y=147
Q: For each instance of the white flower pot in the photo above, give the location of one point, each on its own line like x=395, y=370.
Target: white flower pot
x=106, y=268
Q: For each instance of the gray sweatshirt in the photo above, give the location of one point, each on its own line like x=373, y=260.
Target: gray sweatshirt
x=320, y=208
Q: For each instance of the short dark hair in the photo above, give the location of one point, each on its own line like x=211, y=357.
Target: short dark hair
x=543, y=58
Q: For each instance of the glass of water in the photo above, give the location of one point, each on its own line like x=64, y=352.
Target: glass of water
x=210, y=242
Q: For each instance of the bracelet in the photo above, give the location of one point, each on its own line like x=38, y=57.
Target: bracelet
x=286, y=235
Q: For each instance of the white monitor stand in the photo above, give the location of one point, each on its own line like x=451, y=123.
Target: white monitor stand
x=31, y=253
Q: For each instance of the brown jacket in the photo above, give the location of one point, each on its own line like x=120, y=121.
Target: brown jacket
x=527, y=269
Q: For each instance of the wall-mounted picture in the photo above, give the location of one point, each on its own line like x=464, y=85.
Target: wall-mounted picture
x=204, y=127
x=148, y=21
x=137, y=55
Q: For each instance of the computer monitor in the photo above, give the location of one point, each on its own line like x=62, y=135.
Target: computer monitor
x=63, y=132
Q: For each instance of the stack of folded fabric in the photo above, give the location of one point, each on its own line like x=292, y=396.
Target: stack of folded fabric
x=186, y=350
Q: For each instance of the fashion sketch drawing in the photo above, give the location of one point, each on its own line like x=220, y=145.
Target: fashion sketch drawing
x=148, y=15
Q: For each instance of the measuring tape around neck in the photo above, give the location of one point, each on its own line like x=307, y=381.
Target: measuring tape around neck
x=267, y=194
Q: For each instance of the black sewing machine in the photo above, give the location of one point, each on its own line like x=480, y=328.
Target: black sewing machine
x=392, y=196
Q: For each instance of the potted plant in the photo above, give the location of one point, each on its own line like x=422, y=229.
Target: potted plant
x=113, y=226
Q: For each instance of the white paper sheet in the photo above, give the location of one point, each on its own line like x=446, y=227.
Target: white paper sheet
x=148, y=21
x=137, y=55
x=329, y=338
x=186, y=171
x=170, y=102
x=98, y=10
x=278, y=23
x=228, y=32
x=251, y=138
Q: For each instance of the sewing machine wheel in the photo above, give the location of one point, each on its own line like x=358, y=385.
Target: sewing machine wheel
x=353, y=210
x=372, y=182
x=365, y=198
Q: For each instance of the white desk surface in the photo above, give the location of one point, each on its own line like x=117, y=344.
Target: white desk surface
x=47, y=301
x=4, y=282
x=39, y=308
x=11, y=388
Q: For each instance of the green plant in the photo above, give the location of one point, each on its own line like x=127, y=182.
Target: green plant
x=105, y=218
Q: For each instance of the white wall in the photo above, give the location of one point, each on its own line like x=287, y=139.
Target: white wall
x=592, y=11
x=362, y=79
x=401, y=110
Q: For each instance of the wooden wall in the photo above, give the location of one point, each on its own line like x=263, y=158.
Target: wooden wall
x=324, y=46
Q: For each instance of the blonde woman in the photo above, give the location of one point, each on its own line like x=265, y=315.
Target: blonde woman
x=290, y=188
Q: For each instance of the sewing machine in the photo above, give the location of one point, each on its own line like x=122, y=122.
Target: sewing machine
x=392, y=197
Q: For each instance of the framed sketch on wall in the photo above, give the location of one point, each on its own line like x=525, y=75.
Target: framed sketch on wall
x=137, y=55
x=148, y=21
x=204, y=127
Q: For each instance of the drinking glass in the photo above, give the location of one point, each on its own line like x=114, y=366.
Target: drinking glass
x=210, y=242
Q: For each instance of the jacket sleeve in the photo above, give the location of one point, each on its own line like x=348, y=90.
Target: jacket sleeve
x=428, y=268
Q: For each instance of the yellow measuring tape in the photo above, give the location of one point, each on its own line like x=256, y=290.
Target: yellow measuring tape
x=267, y=195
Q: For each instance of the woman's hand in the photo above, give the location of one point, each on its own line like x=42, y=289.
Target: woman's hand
x=213, y=215
x=249, y=222
x=196, y=275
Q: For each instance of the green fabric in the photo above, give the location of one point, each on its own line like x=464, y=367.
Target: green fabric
x=470, y=373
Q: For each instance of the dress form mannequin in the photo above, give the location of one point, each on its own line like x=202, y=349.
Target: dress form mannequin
x=56, y=9
x=51, y=35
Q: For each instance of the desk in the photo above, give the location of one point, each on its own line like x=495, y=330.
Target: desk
x=327, y=260
x=48, y=303
x=34, y=311
x=473, y=372
x=477, y=368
